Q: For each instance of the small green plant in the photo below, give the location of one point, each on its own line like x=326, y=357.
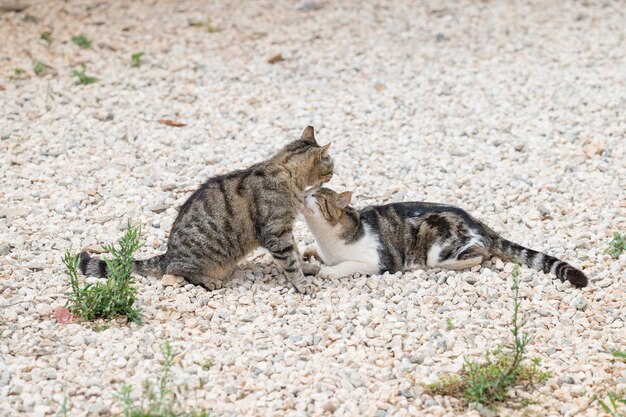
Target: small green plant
x=47, y=36
x=41, y=68
x=208, y=363
x=65, y=407
x=619, y=354
x=18, y=73
x=488, y=382
x=159, y=400
x=617, y=245
x=116, y=296
x=98, y=328
x=612, y=403
x=449, y=324
x=206, y=24
x=82, y=41
x=135, y=59
x=82, y=77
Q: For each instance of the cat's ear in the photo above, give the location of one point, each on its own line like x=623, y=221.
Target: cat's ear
x=344, y=199
x=308, y=134
x=323, y=151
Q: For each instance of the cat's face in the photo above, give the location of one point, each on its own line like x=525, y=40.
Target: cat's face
x=324, y=204
x=309, y=160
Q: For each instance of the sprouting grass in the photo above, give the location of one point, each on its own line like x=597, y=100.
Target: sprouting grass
x=613, y=403
x=157, y=400
x=488, y=382
x=208, y=363
x=47, y=36
x=83, y=77
x=82, y=41
x=41, y=68
x=18, y=73
x=206, y=24
x=619, y=354
x=116, y=296
x=135, y=59
x=65, y=407
x=449, y=324
x=617, y=245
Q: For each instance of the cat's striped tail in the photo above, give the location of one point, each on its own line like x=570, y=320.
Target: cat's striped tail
x=92, y=267
x=512, y=252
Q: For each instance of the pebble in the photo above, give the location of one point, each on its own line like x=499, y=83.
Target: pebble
x=580, y=303
x=471, y=279
x=169, y=280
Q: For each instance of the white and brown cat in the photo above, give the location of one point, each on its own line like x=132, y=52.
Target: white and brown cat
x=399, y=236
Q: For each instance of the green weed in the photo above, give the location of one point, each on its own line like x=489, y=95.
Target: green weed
x=208, y=364
x=488, y=382
x=613, y=403
x=41, y=68
x=206, y=24
x=116, y=296
x=619, y=354
x=18, y=74
x=617, y=245
x=135, y=59
x=82, y=77
x=159, y=400
x=449, y=324
x=65, y=407
x=82, y=41
x=47, y=36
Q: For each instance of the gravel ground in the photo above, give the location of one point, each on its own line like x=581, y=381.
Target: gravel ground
x=512, y=110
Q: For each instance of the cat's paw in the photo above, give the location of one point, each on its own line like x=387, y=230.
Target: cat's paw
x=212, y=285
x=309, y=254
x=304, y=286
x=310, y=269
x=330, y=273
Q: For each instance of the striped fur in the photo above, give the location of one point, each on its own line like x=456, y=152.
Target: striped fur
x=397, y=236
x=232, y=214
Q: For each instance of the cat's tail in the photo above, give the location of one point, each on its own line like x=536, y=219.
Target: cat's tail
x=92, y=267
x=512, y=252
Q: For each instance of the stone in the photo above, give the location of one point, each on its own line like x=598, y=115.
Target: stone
x=307, y=5
x=16, y=212
x=160, y=208
x=169, y=280
x=5, y=249
x=471, y=279
x=580, y=303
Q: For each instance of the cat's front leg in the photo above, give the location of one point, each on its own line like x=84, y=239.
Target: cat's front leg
x=286, y=253
x=347, y=268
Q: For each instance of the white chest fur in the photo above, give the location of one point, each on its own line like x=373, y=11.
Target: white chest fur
x=334, y=250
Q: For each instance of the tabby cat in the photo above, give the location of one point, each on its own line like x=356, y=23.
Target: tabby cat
x=232, y=214
x=399, y=236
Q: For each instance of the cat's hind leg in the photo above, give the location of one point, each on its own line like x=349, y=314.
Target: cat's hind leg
x=197, y=275
x=463, y=257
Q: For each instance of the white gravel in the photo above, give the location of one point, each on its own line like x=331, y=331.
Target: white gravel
x=513, y=110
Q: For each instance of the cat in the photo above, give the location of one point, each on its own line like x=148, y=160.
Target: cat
x=400, y=236
x=232, y=214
